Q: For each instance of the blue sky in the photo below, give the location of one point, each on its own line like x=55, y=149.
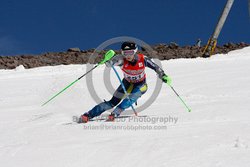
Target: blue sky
x=35, y=27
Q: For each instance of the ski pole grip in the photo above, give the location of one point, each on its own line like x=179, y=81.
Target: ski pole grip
x=107, y=56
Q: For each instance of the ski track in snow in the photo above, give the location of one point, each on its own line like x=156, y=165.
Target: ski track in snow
x=216, y=133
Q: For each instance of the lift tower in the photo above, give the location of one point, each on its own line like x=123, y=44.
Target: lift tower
x=211, y=44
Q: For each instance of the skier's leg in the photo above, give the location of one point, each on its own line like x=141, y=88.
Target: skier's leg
x=136, y=93
x=106, y=105
x=99, y=109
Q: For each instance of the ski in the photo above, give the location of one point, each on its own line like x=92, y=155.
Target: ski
x=77, y=119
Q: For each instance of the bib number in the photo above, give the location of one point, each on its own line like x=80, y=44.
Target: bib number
x=134, y=78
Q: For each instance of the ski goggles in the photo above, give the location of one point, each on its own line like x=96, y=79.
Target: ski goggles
x=128, y=52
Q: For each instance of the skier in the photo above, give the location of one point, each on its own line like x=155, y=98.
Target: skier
x=133, y=67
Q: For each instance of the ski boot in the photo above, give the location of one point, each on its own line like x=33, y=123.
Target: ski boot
x=83, y=118
x=111, y=117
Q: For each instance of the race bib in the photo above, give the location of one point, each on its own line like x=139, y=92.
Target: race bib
x=134, y=78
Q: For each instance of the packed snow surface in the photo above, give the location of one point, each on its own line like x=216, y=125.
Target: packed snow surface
x=215, y=134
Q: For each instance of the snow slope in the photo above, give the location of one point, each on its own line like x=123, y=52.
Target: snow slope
x=216, y=133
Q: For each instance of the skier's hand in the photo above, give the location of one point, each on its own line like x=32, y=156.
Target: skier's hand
x=109, y=54
x=108, y=63
x=166, y=79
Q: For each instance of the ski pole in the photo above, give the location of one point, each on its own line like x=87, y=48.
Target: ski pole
x=123, y=87
x=107, y=57
x=189, y=110
x=69, y=85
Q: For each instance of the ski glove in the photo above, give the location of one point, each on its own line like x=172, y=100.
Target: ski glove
x=108, y=63
x=166, y=79
x=109, y=54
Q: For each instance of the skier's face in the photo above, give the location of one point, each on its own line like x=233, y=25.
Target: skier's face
x=129, y=55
